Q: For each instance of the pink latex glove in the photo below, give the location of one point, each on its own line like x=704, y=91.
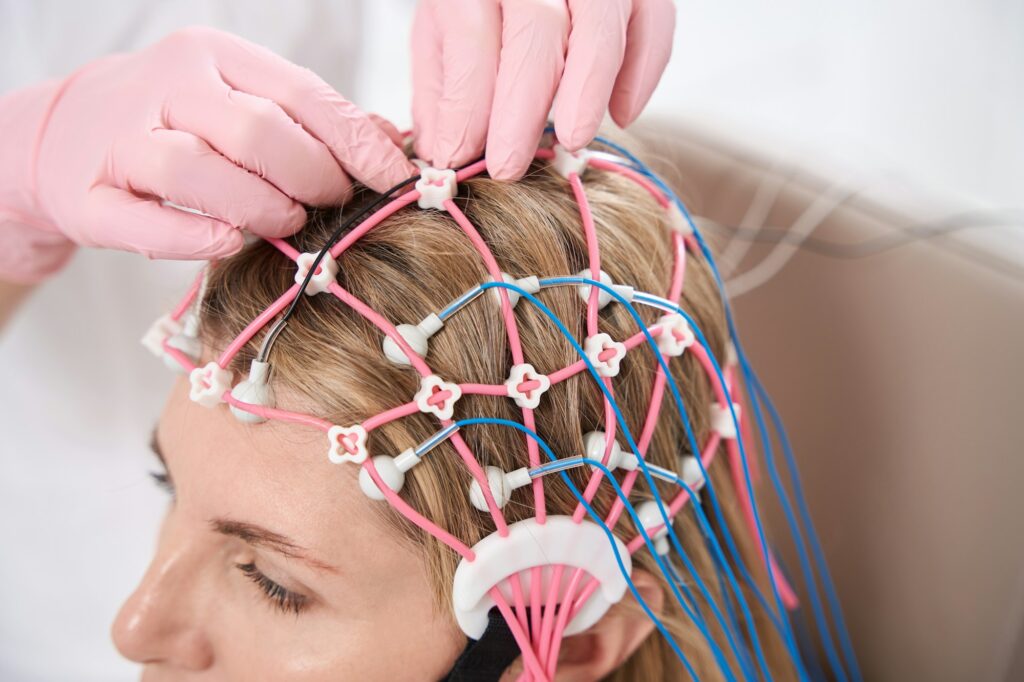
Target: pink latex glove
x=487, y=70
x=202, y=119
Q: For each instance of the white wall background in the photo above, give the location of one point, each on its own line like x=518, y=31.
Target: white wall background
x=901, y=89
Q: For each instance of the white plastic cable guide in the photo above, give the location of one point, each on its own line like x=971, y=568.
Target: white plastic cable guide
x=391, y=471
x=594, y=448
x=529, y=284
x=603, y=297
x=650, y=518
x=529, y=544
x=501, y=485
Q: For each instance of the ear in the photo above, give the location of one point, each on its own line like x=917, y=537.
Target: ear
x=599, y=651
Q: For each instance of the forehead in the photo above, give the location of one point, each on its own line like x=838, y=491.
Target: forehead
x=274, y=474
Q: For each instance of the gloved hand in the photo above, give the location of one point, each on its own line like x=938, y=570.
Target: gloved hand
x=489, y=70
x=203, y=120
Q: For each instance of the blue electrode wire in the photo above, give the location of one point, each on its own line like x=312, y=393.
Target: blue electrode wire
x=604, y=527
x=749, y=374
x=781, y=624
x=784, y=624
x=819, y=556
x=681, y=408
x=752, y=631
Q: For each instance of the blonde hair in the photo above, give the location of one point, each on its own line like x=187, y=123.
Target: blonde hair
x=415, y=263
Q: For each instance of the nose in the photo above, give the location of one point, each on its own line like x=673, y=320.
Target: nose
x=161, y=621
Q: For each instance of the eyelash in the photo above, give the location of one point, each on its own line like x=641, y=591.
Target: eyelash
x=281, y=597
x=163, y=481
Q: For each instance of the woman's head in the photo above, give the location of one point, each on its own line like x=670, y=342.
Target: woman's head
x=367, y=595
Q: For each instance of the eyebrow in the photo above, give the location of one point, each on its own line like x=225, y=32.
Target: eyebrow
x=250, y=533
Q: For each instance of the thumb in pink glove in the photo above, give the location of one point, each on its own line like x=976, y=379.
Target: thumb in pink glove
x=488, y=71
x=203, y=120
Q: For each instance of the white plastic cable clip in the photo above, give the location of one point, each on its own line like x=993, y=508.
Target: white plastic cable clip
x=391, y=471
x=416, y=335
x=677, y=222
x=529, y=284
x=676, y=335
x=536, y=384
x=501, y=485
x=604, y=297
x=209, y=384
x=162, y=329
x=188, y=343
x=529, y=544
x=594, y=447
x=731, y=358
x=436, y=186
x=721, y=420
x=650, y=517
x=347, y=444
x=255, y=390
x=431, y=387
x=566, y=162
x=325, y=274
x=690, y=472
x=605, y=354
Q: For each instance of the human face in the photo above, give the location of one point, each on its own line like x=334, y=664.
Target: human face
x=258, y=509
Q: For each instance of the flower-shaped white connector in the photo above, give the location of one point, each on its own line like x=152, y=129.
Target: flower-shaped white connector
x=209, y=384
x=528, y=284
x=525, y=385
x=676, y=335
x=566, y=162
x=605, y=354
x=347, y=444
x=437, y=397
x=162, y=329
x=416, y=335
x=721, y=420
x=436, y=186
x=255, y=390
x=677, y=222
x=326, y=272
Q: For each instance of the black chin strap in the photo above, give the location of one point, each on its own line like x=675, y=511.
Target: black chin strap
x=487, y=658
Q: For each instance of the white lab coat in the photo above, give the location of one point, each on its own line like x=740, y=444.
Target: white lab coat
x=79, y=396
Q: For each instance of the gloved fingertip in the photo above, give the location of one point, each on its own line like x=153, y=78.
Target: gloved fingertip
x=232, y=242
x=506, y=171
x=626, y=105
